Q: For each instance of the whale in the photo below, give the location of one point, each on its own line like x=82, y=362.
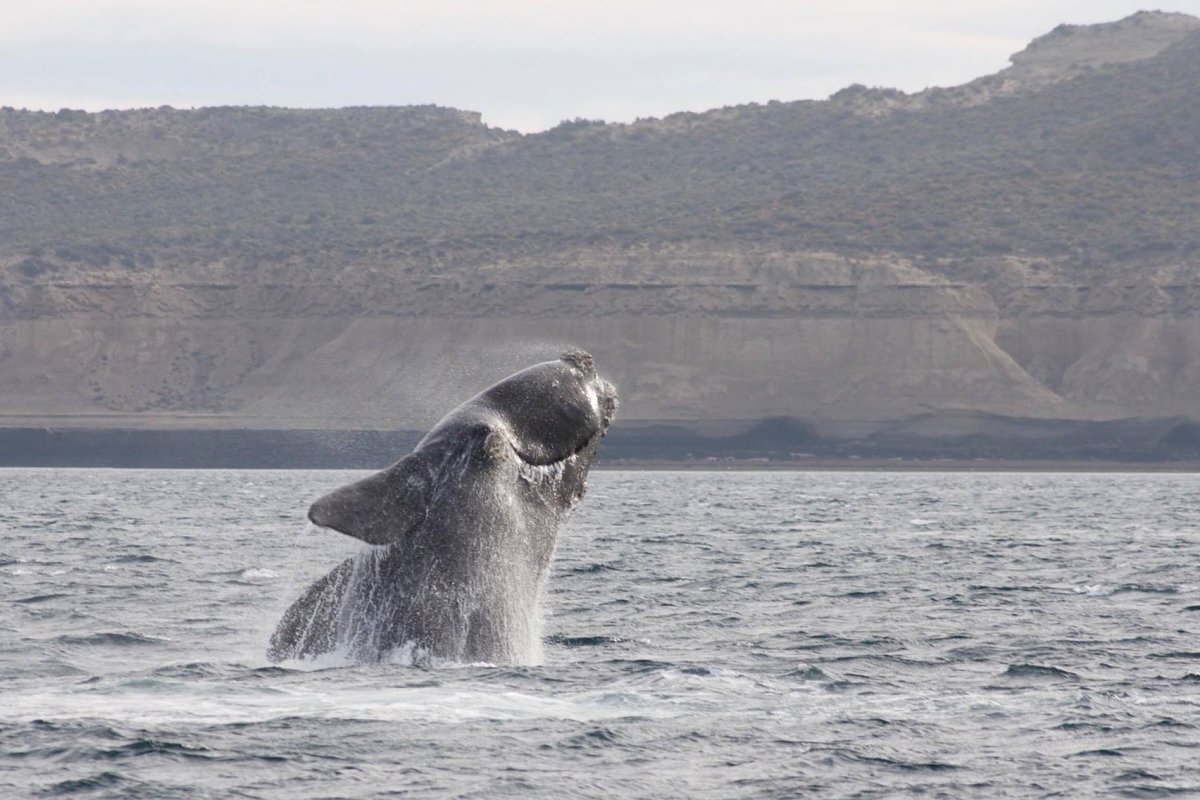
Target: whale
x=461, y=532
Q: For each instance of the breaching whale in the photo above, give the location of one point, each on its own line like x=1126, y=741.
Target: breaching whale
x=464, y=529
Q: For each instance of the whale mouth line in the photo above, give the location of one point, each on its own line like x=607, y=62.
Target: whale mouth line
x=595, y=437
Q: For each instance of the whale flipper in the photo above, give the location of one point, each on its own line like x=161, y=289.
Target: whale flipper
x=381, y=508
x=309, y=626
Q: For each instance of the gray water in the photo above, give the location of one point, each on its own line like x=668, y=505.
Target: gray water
x=707, y=635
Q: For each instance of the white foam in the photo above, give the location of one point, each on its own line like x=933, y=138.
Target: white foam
x=152, y=703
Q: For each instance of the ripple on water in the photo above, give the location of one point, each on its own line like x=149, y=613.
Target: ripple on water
x=41, y=598
x=142, y=558
x=110, y=639
x=587, y=641
x=1038, y=673
x=92, y=783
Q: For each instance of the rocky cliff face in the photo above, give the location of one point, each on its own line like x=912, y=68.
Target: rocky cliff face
x=1027, y=245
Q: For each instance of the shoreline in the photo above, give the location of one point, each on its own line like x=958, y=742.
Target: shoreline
x=902, y=465
x=815, y=465
x=1133, y=448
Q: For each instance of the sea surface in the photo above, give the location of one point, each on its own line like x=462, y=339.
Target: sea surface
x=707, y=635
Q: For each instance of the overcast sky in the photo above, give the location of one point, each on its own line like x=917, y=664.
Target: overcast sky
x=524, y=64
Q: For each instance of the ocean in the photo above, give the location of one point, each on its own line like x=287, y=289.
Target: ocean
x=706, y=635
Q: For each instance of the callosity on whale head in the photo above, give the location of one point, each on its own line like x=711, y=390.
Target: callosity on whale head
x=468, y=522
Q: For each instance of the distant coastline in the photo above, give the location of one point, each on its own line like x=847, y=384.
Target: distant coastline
x=928, y=443
x=1008, y=268
x=904, y=465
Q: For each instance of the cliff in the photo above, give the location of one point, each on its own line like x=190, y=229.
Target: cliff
x=1026, y=245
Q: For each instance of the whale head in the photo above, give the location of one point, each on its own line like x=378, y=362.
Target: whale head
x=539, y=426
x=548, y=412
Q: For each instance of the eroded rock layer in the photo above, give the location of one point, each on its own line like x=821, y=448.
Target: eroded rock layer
x=1026, y=245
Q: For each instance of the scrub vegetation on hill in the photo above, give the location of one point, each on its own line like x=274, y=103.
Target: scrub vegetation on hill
x=1027, y=244
x=1097, y=164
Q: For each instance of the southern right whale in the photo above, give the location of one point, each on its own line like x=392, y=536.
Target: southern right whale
x=463, y=528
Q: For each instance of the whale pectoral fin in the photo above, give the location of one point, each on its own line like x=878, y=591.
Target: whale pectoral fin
x=379, y=509
x=309, y=626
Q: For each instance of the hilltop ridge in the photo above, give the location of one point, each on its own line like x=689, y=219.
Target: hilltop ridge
x=1023, y=245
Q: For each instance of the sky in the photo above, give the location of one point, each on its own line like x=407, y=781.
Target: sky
x=524, y=64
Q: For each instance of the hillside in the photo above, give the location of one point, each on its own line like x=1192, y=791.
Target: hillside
x=1026, y=245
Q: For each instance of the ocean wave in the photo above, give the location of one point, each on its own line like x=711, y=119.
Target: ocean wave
x=1039, y=672
x=41, y=598
x=142, y=559
x=594, y=640
x=108, y=638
